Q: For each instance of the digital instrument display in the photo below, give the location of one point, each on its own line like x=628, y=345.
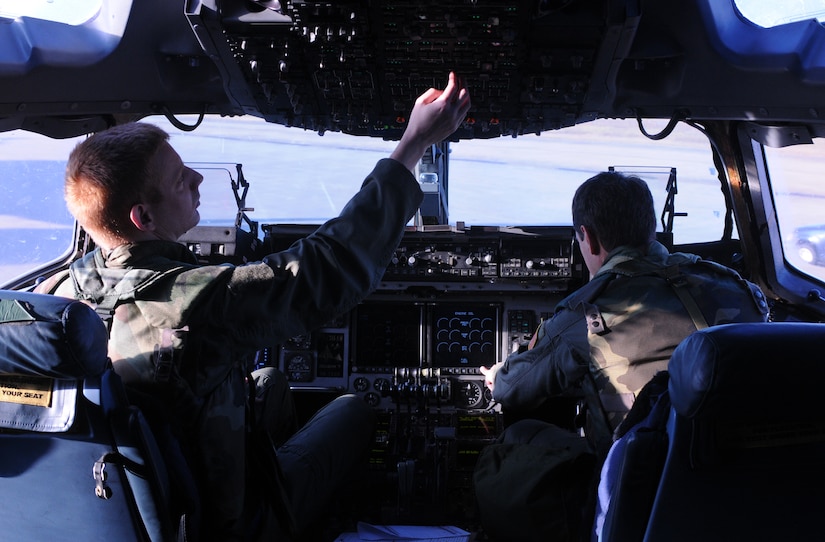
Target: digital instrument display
x=464, y=335
x=388, y=335
x=331, y=348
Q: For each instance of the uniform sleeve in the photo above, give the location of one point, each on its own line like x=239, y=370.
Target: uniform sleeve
x=331, y=270
x=554, y=366
x=56, y=285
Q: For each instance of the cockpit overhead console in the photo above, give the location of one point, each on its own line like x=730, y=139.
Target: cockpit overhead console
x=357, y=67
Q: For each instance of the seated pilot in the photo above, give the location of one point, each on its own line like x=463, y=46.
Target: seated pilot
x=609, y=338
x=182, y=335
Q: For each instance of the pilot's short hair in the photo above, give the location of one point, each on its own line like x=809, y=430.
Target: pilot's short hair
x=110, y=172
x=616, y=208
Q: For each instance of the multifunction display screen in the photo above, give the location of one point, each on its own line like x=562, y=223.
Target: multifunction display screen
x=388, y=335
x=464, y=335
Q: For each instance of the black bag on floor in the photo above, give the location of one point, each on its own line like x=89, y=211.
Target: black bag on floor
x=533, y=492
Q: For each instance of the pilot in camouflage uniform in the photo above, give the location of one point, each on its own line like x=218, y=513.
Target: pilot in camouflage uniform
x=623, y=325
x=603, y=343
x=212, y=319
x=184, y=336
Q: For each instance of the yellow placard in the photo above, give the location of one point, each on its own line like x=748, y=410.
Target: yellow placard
x=26, y=390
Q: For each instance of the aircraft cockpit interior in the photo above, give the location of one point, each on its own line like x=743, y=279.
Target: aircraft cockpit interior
x=284, y=106
x=453, y=299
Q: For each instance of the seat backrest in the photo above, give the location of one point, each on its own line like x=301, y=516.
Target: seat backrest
x=746, y=452
x=76, y=460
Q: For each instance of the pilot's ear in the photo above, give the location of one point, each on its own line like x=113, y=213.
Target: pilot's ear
x=141, y=217
x=592, y=241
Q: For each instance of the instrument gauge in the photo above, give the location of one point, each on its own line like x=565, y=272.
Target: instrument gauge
x=298, y=367
x=470, y=393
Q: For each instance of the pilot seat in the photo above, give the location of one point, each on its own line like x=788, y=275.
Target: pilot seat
x=743, y=453
x=77, y=461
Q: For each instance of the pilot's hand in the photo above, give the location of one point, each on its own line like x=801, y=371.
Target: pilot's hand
x=490, y=375
x=436, y=115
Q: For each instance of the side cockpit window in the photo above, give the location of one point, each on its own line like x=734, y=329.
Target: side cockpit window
x=35, y=227
x=799, y=195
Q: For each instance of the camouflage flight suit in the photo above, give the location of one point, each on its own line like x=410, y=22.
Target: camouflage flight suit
x=222, y=314
x=623, y=325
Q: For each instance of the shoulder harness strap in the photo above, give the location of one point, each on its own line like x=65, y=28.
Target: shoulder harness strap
x=678, y=282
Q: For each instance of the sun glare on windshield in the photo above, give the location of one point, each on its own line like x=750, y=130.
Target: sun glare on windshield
x=770, y=14
x=72, y=12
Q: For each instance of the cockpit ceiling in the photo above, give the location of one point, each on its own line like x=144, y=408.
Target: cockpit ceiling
x=357, y=66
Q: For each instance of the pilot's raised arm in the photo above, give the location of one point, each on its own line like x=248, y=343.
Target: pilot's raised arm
x=129, y=189
x=356, y=247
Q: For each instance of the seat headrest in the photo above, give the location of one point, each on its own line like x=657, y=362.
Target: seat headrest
x=50, y=336
x=763, y=370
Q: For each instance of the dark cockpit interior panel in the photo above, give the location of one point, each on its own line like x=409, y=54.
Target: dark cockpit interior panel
x=356, y=66
x=451, y=300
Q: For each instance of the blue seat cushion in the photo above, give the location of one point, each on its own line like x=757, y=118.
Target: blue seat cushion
x=50, y=336
x=48, y=345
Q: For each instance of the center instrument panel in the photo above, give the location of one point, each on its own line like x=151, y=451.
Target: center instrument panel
x=450, y=302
